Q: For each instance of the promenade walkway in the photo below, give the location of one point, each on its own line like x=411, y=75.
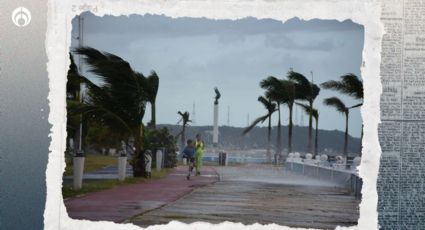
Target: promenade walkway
x=261, y=194
x=247, y=194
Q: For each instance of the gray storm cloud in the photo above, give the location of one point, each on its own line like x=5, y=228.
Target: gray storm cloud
x=193, y=55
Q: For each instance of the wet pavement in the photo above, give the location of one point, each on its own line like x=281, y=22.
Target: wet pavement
x=261, y=194
x=121, y=203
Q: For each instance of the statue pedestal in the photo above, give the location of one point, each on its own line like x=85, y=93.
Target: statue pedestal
x=215, y=127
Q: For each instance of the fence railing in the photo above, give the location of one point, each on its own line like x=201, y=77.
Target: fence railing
x=341, y=177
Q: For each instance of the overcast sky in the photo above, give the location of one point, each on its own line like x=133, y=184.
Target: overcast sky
x=193, y=55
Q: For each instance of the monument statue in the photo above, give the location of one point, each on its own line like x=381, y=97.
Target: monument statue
x=217, y=95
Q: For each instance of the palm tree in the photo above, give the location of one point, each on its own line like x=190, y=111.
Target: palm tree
x=342, y=108
x=349, y=85
x=118, y=101
x=281, y=92
x=152, y=91
x=306, y=91
x=315, y=115
x=290, y=89
x=271, y=108
x=185, y=120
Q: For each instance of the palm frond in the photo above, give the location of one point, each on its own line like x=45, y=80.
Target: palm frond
x=268, y=104
x=309, y=110
x=280, y=91
x=304, y=89
x=153, y=85
x=121, y=95
x=254, y=123
x=349, y=84
x=336, y=103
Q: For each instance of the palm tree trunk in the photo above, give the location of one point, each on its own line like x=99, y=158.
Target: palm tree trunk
x=138, y=161
x=279, y=135
x=316, y=138
x=310, y=129
x=183, y=137
x=290, y=106
x=346, y=134
x=269, y=130
x=153, y=115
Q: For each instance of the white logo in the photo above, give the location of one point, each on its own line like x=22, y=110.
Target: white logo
x=21, y=16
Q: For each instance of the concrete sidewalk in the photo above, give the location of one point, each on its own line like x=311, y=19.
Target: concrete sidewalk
x=120, y=203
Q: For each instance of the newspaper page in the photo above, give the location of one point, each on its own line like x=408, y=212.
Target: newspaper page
x=401, y=202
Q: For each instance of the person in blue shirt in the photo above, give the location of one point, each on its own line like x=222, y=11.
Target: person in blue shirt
x=189, y=154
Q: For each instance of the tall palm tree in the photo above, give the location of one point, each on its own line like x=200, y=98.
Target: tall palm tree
x=152, y=91
x=271, y=108
x=281, y=92
x=290, y=89
x=315, y=115
x=306, y=91
x=185, y=120
x=118, y=101
x=342, y=108
x=349, y=85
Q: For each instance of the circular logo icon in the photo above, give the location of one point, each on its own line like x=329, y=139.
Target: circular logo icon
x=21, y=17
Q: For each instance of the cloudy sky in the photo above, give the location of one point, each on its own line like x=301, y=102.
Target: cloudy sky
x=194, y=55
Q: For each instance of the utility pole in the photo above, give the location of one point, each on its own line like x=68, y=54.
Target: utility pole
x=193, y=114
x=228, y=115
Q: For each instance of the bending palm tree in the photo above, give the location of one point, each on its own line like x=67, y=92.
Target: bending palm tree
x=185, y=120
x=315, y=115
x=152, y=91
x=281, y=92
x=271, y=108
x=306, y=91
x=119, y=101
x=290, y=89
x=349, y=85
x=342, y=108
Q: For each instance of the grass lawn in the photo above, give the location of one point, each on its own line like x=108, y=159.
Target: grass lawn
x=94, y=186
x=92, y=163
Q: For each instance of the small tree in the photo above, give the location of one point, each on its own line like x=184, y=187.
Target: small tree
x=185, y=121
x=271, y=108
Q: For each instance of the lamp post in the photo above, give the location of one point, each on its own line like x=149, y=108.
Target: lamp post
x=215, y=127
x=78, y=160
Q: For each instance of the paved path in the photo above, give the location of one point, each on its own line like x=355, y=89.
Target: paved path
x=252, y=194
x=121, y=203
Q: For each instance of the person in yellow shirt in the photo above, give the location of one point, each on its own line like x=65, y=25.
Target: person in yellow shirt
x=199, y=153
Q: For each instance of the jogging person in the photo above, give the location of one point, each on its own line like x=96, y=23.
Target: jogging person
x=189, y=154
x=199, y=153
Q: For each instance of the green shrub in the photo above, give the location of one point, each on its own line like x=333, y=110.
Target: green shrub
x=161, y=139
